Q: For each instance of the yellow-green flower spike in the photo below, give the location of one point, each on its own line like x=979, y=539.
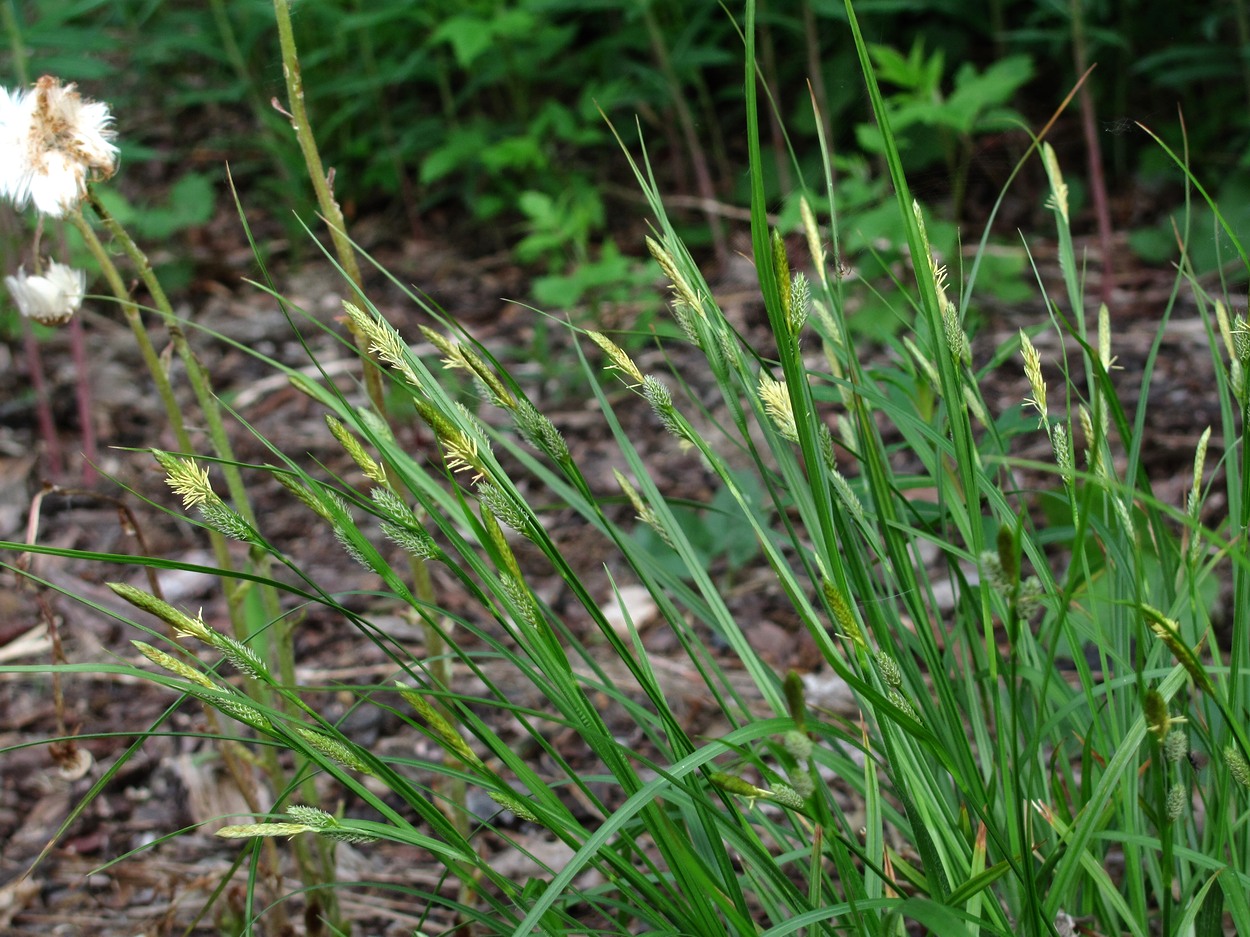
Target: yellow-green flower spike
x=775, y=398
x=1033, y=371
x=685, y=294
x=352, y=446
x=332, y=748
x=1168, y=631
x=843, y=617
x=781, y=268
x=811, y=230
x=181, y=622
x=440, y=727
x=1058, y=199
x=174, y=665
x=188, y=480
x=618, y=360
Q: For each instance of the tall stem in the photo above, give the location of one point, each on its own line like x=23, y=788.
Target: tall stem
x=333, y=216
x=221, y=551
x=43, y=402
x=1097, y=180
x=329, y=207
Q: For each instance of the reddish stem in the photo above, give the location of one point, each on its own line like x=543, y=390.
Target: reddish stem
x=78, y=347
x=55, y=464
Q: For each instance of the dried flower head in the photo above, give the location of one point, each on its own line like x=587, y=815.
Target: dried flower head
x=51, y=143
x=51, y=299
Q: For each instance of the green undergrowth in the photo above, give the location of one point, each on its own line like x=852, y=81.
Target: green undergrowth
x=1042, y=732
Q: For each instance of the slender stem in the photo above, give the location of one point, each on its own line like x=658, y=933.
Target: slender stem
x=78, y=348
x=209, y=406
x=130, y=310
x=333, y=216
x=221, y=552
x=17, y=48
x=685, y=120
x=43, y=405
x=1097, y=180
x=330, y=211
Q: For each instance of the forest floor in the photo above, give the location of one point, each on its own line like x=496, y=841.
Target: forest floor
x=116, y=869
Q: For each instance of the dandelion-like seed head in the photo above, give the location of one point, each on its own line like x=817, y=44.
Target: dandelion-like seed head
x=51, y=299
x=52, y=143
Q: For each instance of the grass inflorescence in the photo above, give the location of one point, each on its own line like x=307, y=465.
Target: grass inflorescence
x=1023, y=649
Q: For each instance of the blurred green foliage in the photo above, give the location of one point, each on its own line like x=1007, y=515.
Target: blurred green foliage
x=459, y=113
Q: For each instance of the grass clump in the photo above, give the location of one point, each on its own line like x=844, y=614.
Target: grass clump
x=1024, y=647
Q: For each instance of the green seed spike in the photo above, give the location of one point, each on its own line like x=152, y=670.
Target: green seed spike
x=786, y=796
x=1158, y=719
x=180, y=621
x=843, y=617
x=733, y=784
x=888, y=667
x=1238, y=767
x=796, y=701
x=798, y=745
x=173, y=665
x=1007, y=553
x=1176, y=746
x=781, y=264
x=352, y=446
x=1167, y=631
x=1178, y=799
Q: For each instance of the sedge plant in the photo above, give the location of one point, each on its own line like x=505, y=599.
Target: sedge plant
x=1024, y=647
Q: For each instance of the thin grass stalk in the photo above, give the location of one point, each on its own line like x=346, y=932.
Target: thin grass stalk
x=130, y=310
x=1089, y=129
x=281, y=648
x=82, y=396
x=221, y=552
x=685, y=120
x=344, y=251
x=331, y=213
x=43, y=401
